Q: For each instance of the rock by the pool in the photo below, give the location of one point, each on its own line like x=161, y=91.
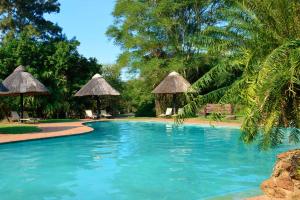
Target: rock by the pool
x=285, y=180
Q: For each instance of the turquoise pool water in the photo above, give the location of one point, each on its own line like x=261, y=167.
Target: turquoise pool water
x=135, y=161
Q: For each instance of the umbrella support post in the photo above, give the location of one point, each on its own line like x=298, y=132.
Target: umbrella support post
x=174, y=104
x=98, y=108
x=22, y=106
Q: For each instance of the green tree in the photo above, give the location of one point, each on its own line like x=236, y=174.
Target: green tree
x=258, y=42
x=16, y=16
x=29, y=39
x=137, y=98
x=57, y=64
x=158, y=37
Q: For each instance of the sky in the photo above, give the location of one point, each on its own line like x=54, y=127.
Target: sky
x=88, y=20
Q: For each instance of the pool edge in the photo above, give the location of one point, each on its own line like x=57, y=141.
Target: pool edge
x=78, y=128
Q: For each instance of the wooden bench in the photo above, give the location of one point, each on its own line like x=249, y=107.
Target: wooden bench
x=224, y=109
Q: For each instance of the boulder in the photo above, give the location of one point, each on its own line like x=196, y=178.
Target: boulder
x=285, y=180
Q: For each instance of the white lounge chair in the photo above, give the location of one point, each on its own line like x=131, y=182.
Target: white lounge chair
x=105, y=114
x=168, y=113
x=89, y=114
x=14, y=116
x=179, y=112
x=26, y=116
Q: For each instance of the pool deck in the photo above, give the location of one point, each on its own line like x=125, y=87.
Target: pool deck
x=50, y=130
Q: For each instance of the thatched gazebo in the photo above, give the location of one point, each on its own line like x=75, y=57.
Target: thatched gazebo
x=173, y=84
x=97, y=87
x=21, y=83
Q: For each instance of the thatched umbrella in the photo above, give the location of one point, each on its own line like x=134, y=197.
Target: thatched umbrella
x=173, y=84
x=22, y=83
x=3, y=92
x=3, y=89
x=97, y=87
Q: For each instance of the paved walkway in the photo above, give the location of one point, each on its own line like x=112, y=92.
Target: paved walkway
x=48, y=130
x=74, y=128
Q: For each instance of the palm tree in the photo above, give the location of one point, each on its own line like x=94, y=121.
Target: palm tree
x=258, y=42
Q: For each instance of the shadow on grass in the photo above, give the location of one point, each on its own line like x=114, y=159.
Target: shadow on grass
x=18, y=129
x=49, y=129
x=58, y=120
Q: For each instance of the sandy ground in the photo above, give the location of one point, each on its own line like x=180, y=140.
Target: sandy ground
x=48, y=130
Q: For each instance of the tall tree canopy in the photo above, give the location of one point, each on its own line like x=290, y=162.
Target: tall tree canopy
x=31, y=40
x=17, y=15
x=260, y=39
x=159, y=36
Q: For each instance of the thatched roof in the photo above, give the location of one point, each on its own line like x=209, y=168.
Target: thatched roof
x=21, y=82
x=97, y=86
x=173, y=83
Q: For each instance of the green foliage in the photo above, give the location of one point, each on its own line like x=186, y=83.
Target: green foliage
x=158, y=37
x=137, y=98
x=146, y=109
x=57, y=64
x=17, y=16
x=112, y=75
x=30, y=40
x=259, y=45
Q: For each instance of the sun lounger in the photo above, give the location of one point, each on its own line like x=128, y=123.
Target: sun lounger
x=26, y=116
x=105, y=114
x=179, y=112
x=168, y=113
x=16, y=117
x=89, y=114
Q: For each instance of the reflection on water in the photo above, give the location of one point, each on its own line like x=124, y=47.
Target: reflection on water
x=134, y=160
x=169, y=128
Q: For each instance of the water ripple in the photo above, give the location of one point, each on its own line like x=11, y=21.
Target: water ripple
x=135, y=160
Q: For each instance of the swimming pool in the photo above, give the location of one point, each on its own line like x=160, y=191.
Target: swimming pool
x=135, y=160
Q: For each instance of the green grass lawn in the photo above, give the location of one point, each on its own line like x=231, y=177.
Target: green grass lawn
x=58, y=120
x=18, y=129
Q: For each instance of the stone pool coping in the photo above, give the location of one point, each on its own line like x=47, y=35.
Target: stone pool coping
x=51, y=130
